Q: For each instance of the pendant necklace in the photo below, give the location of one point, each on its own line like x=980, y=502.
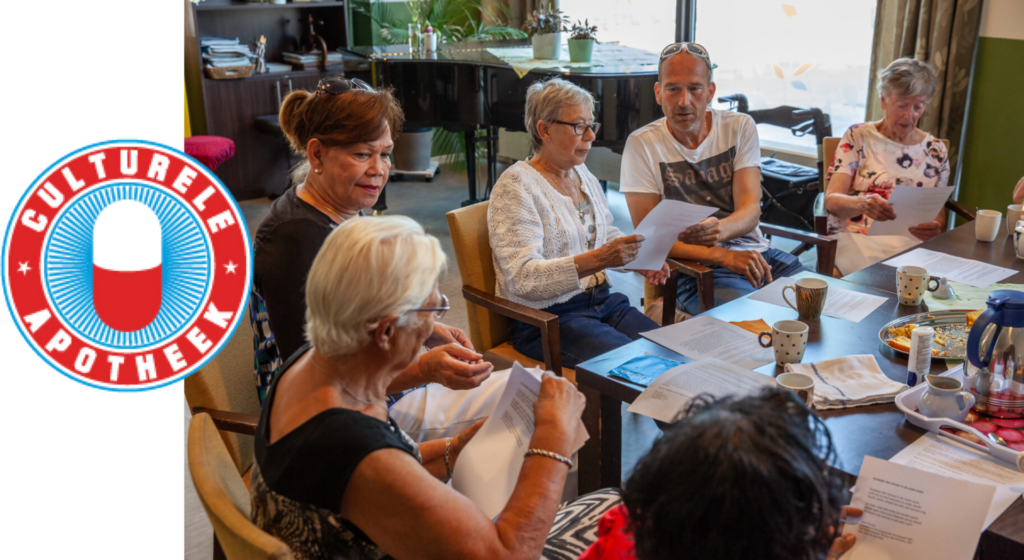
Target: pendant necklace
x=345, y=388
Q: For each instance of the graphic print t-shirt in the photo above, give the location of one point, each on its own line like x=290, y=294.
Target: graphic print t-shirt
x=878, y=164
x=655, y=162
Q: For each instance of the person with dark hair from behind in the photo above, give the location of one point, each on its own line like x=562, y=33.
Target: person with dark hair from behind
x=733, y=479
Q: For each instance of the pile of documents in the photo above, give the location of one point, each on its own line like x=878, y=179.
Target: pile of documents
x=219, y=52
x=311, y=57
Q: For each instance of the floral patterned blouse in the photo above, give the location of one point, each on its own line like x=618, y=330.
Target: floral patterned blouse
x=878, y=164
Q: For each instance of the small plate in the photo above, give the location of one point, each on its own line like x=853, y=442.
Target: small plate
x=951, y=325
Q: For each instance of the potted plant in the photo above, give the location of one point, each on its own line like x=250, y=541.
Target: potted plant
x=581, y=41
x=545, y=27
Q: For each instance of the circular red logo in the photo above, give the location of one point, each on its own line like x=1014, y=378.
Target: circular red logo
x=127, y=265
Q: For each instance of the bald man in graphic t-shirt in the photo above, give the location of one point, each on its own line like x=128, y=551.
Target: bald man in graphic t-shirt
x=703, y=156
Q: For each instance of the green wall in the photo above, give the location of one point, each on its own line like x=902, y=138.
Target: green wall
x=993, y=155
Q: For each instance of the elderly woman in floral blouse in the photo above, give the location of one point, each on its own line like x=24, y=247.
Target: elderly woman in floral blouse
x=552, y=233
x=874, y=157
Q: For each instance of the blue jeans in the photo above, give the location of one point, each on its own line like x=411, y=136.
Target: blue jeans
x=730, y=286
x=588, y=325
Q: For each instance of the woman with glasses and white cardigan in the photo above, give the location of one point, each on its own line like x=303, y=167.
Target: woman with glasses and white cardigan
x=552, y=234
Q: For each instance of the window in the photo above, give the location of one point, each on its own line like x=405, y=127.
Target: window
x=804, y=54
x=641, y=24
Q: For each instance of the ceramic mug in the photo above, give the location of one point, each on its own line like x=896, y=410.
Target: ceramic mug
x=802, y=385
x=986, y=225
x=810, y=294
x=945, y=397
x=1014, y=214
x=911, y=282
x=788, y=339
x=1018, y=240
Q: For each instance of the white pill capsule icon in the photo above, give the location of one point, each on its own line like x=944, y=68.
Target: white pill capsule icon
x=127, y=256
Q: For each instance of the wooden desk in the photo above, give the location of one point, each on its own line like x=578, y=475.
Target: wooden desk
x=879, y=430
x=960, y=242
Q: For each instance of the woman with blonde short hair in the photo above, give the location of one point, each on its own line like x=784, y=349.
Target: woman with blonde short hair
x=334, y=475
x=874, y=157
x=552, y=233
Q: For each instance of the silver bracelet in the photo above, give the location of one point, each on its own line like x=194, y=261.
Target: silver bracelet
x=549, y=455
x=447, y=455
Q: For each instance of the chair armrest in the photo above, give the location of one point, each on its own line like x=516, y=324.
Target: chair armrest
x=959, y=210
x=796, y=234
x=692, y=269
x=507, y=308
x=705, y=282
x=236, y=422
x=547, y=322
x=825, y=245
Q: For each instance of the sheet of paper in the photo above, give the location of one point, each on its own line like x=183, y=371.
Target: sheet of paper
x=911, y=514
x=708, y=337
x=840, y=303
x=941, y=455
x=669, y=394
x=661, y=229
x=974, y=273
x=489, y=465
x=913, y=206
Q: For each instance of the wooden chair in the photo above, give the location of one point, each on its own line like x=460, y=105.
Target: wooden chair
x=225, y=497
x=225, y=390
x=489, y=314
x=821, y=215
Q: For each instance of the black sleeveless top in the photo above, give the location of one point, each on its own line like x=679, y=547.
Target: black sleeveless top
x=298, y=481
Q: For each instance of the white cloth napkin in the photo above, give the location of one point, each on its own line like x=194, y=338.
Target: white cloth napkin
x=848, y=381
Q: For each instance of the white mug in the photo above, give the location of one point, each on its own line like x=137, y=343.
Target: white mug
x=911, y=283
x=986, y=225
x=1014, y=214
x=1018, y=239
x=802, y=385
x=788, y=339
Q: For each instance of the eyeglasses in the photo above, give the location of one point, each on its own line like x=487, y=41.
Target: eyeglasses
x=692, y=48
x=337, y=86
x=438, y=311
x=579, y=128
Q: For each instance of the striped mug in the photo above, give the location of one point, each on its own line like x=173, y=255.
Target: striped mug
x=810, y=294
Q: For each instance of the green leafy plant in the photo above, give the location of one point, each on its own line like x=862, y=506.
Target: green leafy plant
x=454, y=21
x=583, y=30
x=546, y=20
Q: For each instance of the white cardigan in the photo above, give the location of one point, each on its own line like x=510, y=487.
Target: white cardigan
x=535, y=232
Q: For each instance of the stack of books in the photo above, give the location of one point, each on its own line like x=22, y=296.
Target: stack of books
x=312, y=57
x=219, y=52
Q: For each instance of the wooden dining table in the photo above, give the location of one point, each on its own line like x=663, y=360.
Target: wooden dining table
x=878, y=430
x=960, y=242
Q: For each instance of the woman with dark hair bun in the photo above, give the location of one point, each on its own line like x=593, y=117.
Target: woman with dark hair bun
x=344, y=133
x=733, y=479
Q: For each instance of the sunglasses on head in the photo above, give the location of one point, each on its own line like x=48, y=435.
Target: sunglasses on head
x=692, y=48
x=337, y=86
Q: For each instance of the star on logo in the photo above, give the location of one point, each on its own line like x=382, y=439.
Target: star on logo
x=23, y=268
x=230, y=267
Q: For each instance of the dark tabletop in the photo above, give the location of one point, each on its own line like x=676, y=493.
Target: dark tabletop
x=476, y=53
x=879, y=430
x=960, y=242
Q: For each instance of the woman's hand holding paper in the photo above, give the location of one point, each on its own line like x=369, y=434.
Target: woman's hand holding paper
x=926, y=231
x=877, y=208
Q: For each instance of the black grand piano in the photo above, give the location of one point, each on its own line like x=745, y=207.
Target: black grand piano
x=464, y=88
